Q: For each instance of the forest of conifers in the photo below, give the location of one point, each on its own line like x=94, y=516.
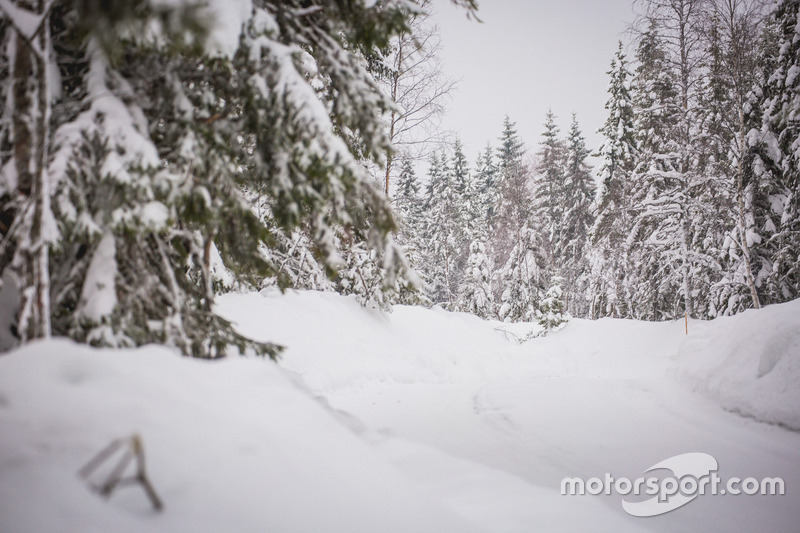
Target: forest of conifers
x=155, y=154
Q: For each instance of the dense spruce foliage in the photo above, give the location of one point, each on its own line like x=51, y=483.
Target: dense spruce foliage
x=155, y=152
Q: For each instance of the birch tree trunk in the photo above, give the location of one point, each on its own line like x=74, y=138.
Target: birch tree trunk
x=30, y=108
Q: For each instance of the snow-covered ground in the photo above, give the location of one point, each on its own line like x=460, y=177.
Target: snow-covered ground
x=418, y=420
x=749, y=362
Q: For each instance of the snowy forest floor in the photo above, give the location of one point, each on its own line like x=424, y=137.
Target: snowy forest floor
x=417, y=420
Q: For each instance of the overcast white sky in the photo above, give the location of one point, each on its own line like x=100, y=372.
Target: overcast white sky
x=525, y=57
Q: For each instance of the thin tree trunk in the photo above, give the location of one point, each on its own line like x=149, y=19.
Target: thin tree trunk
x=30, y=106
x=393, y=116
x=389, y=160
x=688, y=300
x=685, y=10
x=207, y=278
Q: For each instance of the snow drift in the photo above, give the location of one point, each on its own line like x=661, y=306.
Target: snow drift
x=749, y=362
x=231, y=445
x=332, y=341
x=417, y=420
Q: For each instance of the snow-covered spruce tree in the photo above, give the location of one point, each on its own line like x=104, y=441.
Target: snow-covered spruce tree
x=164, y=114
x=408, y=206
x=407, y=201
x=551, y=314
x=472, y=211
x=514, y=202
x=466, y=226
x=442, y=234
x=733, y=58
x=485, y=180
x=549, y=189
x=520, y=278
x=450, y=226
x=649, y=289
x=474, y=291
x=511, y=151
x=411, y=217
x=613, y=222
x=775, y=160
x=294, y=261
x=361, y=275
x=675, y=206
x=475, y=295
x=518, y=246
x=578, y=218
x=459, y=169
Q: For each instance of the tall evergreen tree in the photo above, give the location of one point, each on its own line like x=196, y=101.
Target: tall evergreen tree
x=443, y=234
x=514, y=202
x=409, y=206
x=407, y=200
x=613, y=221
x=649, y=288
x=487, y=189
x=521, y=278
x=578, y=218
x=518, y=246
x=511, y=150
x=459, y=168
x=776, y=163
x=678, y=208
x=549, y=189
x=732, y=73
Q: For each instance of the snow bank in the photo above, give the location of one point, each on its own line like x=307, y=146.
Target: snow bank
x=749, y=362
x=613, y=347
x=333, y=342
x=446, y=423
x=232, y=445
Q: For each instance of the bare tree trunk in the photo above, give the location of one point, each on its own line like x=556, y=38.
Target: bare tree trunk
x=447, y=280
x=418, y=86
x=398, y=63
x=389, y=156
x=30, y=104
x=685, y=10
x=688, y=300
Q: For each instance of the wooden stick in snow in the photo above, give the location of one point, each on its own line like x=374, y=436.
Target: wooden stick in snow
x=134, y=450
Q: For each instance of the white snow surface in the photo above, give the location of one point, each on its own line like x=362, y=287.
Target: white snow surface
x=233, y=445
x=749, y=362
x=417, y=420
x=98, y=296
